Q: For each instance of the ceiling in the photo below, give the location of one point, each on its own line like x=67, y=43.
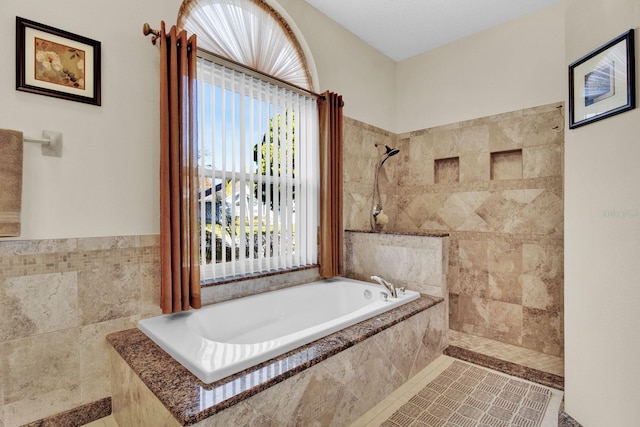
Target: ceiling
x=404, y=28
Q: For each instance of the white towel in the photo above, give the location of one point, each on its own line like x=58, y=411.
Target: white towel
x=11, y=146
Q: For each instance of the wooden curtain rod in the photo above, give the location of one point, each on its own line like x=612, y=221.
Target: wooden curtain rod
x=146, y=30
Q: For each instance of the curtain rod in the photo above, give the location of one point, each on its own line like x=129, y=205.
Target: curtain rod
x=230, y=63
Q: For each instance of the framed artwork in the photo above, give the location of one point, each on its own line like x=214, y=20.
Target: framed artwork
x=57, y=63
x=602, y=83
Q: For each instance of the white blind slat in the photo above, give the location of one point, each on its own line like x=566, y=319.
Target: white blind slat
x=242, y=113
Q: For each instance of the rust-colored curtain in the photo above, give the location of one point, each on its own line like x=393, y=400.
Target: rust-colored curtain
x=179, y=239
x=331, y=227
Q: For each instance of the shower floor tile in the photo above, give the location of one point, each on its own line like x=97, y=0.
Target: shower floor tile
x=510, y=353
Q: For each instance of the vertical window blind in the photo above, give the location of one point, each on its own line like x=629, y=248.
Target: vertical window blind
x=258, y=174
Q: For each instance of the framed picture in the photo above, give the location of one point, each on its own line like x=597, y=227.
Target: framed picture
x=602, y=83
x=57, y=63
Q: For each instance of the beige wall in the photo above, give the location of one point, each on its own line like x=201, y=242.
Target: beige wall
x=106, y=183
x=602, y=232
x=516, y=65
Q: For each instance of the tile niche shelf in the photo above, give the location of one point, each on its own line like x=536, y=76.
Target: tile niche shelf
x=447, y=171
x=506, y=165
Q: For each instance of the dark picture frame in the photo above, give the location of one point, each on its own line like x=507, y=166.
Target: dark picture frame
x=57, y=63
x=602, y=83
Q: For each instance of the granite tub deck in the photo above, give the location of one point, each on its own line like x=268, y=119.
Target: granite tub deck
x=332, y=380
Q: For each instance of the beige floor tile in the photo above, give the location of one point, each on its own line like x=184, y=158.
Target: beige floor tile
x=511, y=353
x=109, y=421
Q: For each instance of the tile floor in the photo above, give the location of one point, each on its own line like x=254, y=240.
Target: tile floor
x=104, y=422
x=508, y=352
x=522, y=356
x=400, y=396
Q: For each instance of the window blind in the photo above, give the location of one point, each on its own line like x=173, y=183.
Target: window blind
x=258, y=170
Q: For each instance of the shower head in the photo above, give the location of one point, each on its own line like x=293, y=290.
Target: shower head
x=388, y=150
x=388, y=153
x=391, y=151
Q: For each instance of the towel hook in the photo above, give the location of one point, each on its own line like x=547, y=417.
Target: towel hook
x=51, y=143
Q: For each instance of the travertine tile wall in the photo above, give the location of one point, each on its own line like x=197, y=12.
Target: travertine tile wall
x=417, y=262
x=58, y=301
x=506, y=233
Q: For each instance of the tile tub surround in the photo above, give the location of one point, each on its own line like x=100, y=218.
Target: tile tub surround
x=332, y=380
x=418, y=261
x=505, y=272
x=60, y=298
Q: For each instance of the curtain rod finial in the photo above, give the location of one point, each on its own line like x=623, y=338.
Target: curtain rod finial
x=146, y=30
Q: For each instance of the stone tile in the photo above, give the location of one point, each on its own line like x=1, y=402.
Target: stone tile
x=543, y=331
x=316, y=406
x=421, y=212
x=41, y=405
x=110, y=242
x=546, y=261
x=282, y=400
x=505, y=322
x=503, y=210
x=473, y=311
x=94, y=352
x=35, y=247
x=455, y=321
x=541, y=161
x=405, y=342
x=420, y=171
x=542, y=293
x=505, y=287
x=543, y=215
x=95, y=389
x=433, y=328
x=150, y=290
x=459, y=211
x=474, y=282
x=38, y=304
x=40, y=364
x=453, y=279
x=109, y=293
x=474, y=167
x=133, y=403
x=461, y=141
x=240, y=414
x=504, y=256
x=473, y=254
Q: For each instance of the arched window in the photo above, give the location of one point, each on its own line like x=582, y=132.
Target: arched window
x=249, y=32
x=258, y=141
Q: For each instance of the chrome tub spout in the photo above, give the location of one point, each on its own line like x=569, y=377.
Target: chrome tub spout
x=388, y=286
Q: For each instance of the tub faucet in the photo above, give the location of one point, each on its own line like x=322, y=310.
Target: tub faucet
x=388, y=286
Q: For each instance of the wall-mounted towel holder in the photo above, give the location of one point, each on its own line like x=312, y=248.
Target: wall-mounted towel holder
x=51, y=143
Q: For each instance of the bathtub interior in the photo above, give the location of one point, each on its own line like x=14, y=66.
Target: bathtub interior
x=226, y=338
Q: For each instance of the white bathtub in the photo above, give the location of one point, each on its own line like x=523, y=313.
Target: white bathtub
x=222, y=339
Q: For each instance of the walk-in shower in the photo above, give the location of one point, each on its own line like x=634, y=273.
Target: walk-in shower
x=378, y=218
